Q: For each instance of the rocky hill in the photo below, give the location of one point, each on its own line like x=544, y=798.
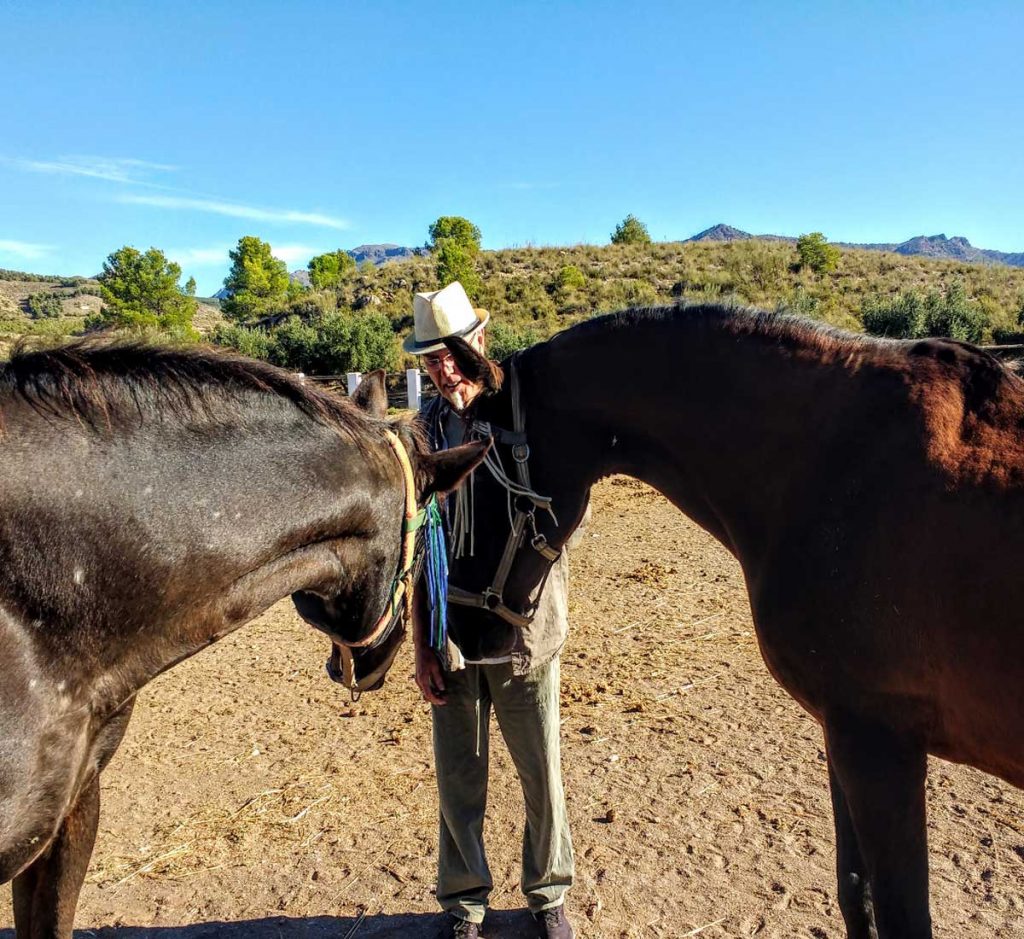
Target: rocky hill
x=956, y=248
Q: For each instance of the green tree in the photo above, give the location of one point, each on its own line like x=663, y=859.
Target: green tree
x=631, y=231
x=142, y=291
x=331, y=270
x=257, y=282
x=455, y=243
x=190, y=286
x=816, y=253
x=457, y=229
x=455, y=262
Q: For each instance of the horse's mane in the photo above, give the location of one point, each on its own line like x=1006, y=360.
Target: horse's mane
x=108, y=384
x=981, y=376
x=783, y=327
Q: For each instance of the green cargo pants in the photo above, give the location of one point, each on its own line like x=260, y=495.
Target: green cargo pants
x=527, y=711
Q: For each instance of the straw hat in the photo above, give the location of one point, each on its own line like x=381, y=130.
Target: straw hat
x=440, y=314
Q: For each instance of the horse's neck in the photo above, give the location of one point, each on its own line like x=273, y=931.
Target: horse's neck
x=193, y=549
x=709, y=416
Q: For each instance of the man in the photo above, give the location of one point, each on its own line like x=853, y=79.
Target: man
x=522, y=690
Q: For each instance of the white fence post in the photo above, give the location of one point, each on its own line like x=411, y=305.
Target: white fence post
x=412, y=384
x=352, y=380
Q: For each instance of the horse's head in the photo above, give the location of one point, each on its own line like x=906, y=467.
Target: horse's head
x=557, y=468
x=364, y=615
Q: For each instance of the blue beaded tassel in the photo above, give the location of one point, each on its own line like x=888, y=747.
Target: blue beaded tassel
x=437, y=576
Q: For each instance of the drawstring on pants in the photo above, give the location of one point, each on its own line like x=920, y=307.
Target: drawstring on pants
x=476, y=704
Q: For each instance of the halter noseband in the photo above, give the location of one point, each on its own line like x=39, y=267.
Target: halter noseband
x=341, y=664
x=526, y=502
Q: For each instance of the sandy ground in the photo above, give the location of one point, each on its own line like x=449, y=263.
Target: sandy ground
x=251, y=799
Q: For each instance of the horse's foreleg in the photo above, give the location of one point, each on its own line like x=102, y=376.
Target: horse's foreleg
x=46, y=894
x=854, y=890
x=881, y=776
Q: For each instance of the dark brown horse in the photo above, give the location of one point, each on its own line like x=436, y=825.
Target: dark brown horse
x=873, y=492
x=152, y=501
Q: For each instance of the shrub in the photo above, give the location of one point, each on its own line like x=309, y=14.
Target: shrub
x=254, y=343
x=570, y=278
x=816, y=253
x=941, y=313
x=631, y=231
x=331, y=270
x=900, y=317
x=951, y=314
x=503, y=339
x=336, y=343
x=44, y=305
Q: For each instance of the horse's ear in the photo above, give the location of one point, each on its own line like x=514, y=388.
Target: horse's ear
x=476, y=367
x=444, y=470
x=371, y=394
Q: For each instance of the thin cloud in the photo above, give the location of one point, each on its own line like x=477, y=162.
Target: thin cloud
x=113, y=169
x=236, y=210
x=292, y=254
x=199, y=257
x=24, y=250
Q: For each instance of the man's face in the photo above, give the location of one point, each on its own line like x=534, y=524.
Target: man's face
x=445, y=374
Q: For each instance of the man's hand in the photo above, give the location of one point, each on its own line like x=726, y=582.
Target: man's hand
x=429, y=675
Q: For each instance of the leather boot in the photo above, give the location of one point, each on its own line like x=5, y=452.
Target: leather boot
x=553, y=924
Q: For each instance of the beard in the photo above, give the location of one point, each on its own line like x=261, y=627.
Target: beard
x=459, y=399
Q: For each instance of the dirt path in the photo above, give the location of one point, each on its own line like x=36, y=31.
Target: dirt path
x=250, y=799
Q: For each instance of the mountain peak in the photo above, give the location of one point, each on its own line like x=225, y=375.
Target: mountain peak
x=721, y=232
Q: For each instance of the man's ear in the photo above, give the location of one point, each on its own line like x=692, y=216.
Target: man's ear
x=371, y=395
x=444, y=470
x=476, y=367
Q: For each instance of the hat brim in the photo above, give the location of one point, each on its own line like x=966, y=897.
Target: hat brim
x=435, y=345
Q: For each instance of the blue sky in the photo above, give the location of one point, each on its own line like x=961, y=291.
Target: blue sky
x=325, y=125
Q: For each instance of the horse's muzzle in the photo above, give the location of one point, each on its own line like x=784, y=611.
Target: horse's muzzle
x=341, y=668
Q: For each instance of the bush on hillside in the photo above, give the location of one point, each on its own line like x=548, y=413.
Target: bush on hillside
x=329, y=271
x=43, y=305
x=631, y=231
x=950, y=313
x=940, y=313
x=816, y=253
x=331, y=345
x=900, y=317
x=246, y=340
x=504, y=339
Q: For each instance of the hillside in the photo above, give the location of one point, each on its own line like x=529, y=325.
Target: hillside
x=956, y=248
x=533, y=292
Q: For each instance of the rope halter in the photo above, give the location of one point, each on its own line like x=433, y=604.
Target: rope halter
x=341, y=664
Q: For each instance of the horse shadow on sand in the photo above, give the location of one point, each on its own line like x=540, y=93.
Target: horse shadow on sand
x=500, y=924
